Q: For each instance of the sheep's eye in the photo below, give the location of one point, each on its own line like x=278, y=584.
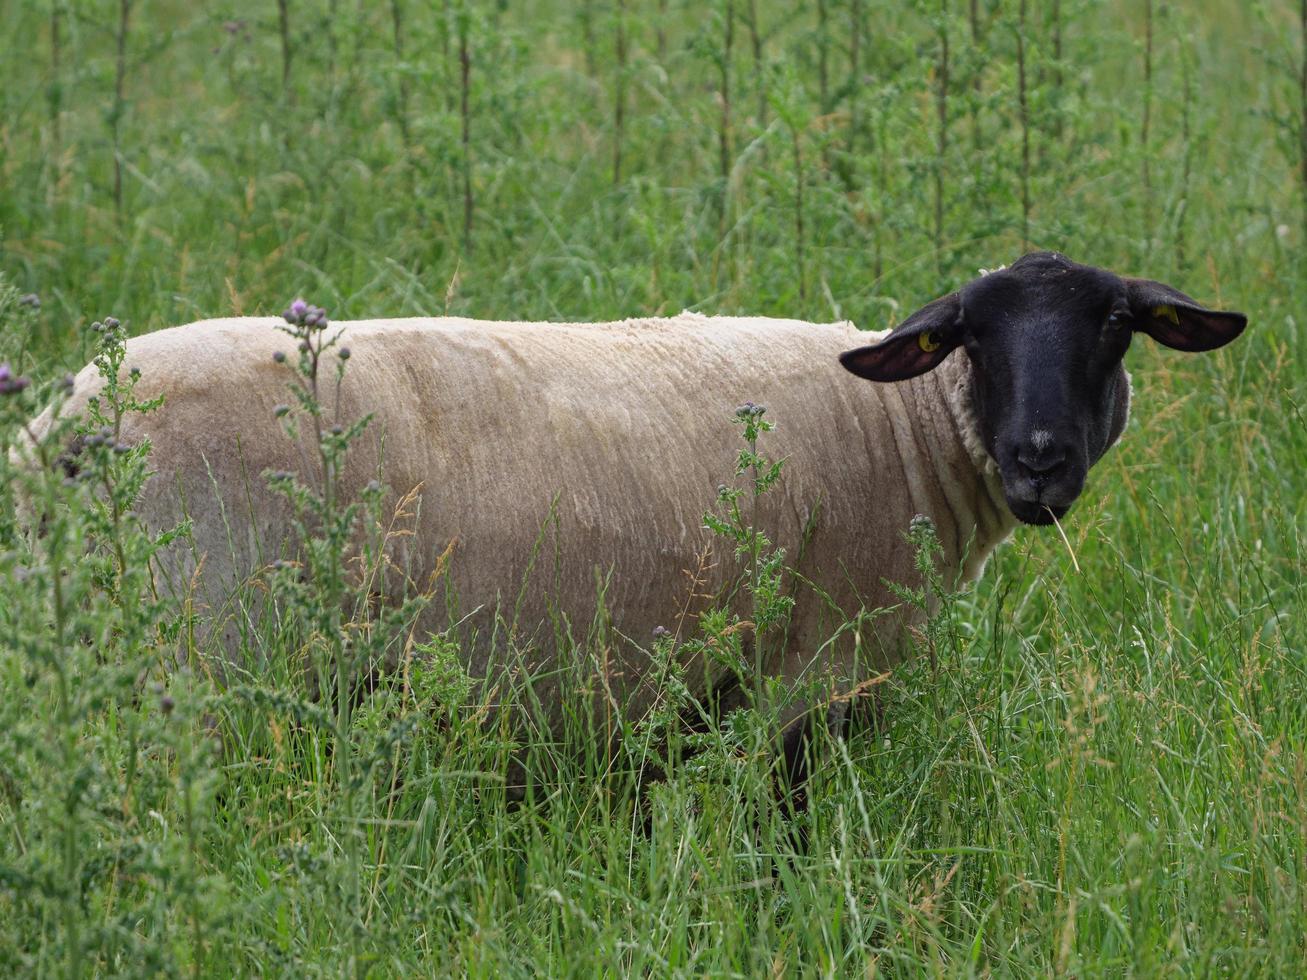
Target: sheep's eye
x=1118, y=318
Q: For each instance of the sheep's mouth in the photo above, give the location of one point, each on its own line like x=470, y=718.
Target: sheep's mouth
x=1036, y=513
x=1042, y=501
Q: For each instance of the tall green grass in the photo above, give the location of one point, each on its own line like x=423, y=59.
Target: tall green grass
x=1104, y=770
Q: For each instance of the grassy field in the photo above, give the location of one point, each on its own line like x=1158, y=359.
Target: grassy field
x=1105, y=773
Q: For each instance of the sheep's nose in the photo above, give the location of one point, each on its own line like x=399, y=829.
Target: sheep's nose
x=1040, y=461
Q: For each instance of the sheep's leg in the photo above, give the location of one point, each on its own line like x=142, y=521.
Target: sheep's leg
x=799, y=742
x=866, y=714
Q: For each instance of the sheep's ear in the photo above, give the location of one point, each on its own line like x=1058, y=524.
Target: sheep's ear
x=914, y=347
x=1172, y=318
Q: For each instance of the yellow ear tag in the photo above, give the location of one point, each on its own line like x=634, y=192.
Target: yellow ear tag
x=1167, y=313
x=928, y=342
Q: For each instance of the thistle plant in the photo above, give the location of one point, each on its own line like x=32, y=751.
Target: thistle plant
x=933, y=597
x=737, y=521
x=936, y=600
x=724, y=639
x=119, y=468
x=101, y=735
x=314, y=587
x=657, y=739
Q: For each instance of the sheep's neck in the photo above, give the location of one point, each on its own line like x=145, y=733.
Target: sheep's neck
x=957, y=483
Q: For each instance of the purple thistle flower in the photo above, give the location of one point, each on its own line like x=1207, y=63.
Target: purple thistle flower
x=301, y=313
x=10, y=383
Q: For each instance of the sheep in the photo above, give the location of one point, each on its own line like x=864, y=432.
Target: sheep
x=988, y=407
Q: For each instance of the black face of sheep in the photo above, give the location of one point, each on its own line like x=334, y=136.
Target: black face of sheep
x=1046, y=337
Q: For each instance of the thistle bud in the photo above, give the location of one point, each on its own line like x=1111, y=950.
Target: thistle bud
x=921, y=524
